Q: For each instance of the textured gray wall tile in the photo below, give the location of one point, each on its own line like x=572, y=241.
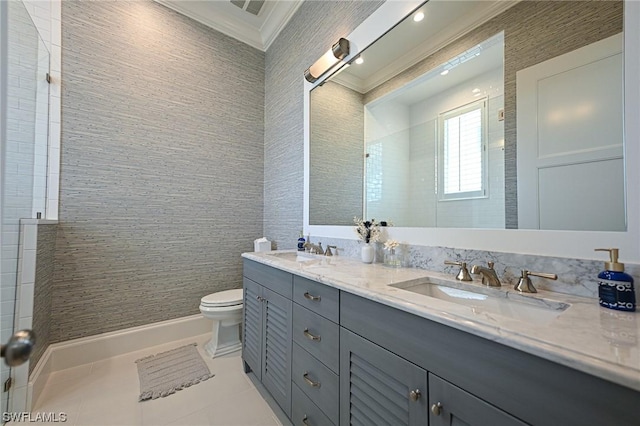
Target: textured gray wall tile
x=162, y=165
x=310, y=33
x=45, y=253
x=336, y=144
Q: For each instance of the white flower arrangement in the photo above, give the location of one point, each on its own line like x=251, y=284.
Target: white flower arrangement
x=368, y=231
x=391, y=245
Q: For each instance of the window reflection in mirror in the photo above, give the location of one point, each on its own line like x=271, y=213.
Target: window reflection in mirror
x=354, y=147
x=429, y=144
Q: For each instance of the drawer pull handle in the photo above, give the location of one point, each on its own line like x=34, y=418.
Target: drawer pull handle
x=305, y=420
x=311, y=336
x=415, y=395
x=310, y=382
x=312, y=297
x=436, y=408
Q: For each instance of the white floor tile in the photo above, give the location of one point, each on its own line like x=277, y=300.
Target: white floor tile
x=106, y=393
x=199, y=418
x=246, y=408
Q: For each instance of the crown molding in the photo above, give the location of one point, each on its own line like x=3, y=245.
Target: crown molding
x=258, y=32
x=277, y=19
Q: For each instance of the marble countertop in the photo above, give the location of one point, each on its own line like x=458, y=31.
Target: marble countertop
x=584, y=336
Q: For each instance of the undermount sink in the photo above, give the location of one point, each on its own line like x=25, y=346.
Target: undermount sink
x=295, y=256
x=486, y=301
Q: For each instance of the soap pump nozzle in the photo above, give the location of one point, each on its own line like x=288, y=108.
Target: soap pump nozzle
x=613, y=264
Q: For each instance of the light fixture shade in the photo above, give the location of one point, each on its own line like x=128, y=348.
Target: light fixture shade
x=338, y=51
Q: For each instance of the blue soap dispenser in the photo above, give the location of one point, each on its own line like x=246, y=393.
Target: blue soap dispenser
x=615, y=287
x=301, y=242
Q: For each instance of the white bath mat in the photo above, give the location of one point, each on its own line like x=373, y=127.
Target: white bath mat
x=165, y=373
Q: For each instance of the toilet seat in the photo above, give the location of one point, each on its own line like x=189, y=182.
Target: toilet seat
x=222, y=299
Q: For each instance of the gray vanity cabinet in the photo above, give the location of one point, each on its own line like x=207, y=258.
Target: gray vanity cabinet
x=378, y=387
x=268, y=315
x=316, y=341
x=252, y=331
x=451, y=406
x=481, y=382
x=347, y=360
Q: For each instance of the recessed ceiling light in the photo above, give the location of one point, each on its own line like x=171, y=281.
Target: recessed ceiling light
x=418, y=16
x=476, y=90
x=445, y=72
x=359, y=60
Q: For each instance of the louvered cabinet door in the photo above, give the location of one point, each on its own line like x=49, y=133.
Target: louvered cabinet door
x=252, y=327
x=277, y=346
x=378, y=387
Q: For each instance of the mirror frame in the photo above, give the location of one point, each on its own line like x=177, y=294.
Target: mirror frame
x=566, y=244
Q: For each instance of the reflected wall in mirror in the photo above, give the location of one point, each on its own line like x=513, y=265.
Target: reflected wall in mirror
x=408, y=162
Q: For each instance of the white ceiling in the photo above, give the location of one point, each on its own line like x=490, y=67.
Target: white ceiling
x=221, y=15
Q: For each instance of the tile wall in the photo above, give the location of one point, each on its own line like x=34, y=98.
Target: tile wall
x=27, y=122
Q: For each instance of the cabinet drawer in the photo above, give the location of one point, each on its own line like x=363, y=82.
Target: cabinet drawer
x=317, y=297
x=317, y=335
x=304, y=412
x=316, y=381
x=274, y=279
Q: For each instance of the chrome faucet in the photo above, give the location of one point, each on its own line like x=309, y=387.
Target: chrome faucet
x=489, y=276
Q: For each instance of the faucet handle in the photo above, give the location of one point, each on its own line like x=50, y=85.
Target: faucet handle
x=526, y=286
x=463, y=274
x=328, y=251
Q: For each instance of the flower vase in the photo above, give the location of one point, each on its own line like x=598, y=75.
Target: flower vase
x=367, y=253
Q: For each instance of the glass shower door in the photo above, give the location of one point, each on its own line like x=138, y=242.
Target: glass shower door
x=24, y=117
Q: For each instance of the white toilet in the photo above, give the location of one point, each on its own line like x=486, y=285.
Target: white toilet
x=225, y=309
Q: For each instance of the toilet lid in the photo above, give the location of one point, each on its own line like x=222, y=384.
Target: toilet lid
x=223, y=298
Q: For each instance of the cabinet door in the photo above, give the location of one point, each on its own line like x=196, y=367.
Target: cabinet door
x=276, y=347
x=378, y=387
x=451, y=406
x=252, y=323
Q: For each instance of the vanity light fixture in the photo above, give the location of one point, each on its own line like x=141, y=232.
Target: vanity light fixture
x=338, y=52
x=418, y=16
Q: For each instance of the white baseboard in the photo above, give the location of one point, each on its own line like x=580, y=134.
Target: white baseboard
x=72, y=353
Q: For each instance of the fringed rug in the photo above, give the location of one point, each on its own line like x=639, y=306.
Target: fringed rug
x=165, y=373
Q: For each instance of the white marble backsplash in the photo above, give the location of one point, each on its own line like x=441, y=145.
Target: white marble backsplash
x=575, y=276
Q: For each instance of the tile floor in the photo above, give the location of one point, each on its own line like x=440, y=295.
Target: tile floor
x=106, y=393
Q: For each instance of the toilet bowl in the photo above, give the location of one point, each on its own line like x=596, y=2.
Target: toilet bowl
x=225, y=309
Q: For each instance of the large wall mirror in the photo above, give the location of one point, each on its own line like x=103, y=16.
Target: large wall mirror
x=335, y=175
x=477, y=114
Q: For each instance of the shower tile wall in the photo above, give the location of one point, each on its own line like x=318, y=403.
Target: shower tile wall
x=26, y=121
x=33, y=305
x=162, y=166
x=308, y=35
